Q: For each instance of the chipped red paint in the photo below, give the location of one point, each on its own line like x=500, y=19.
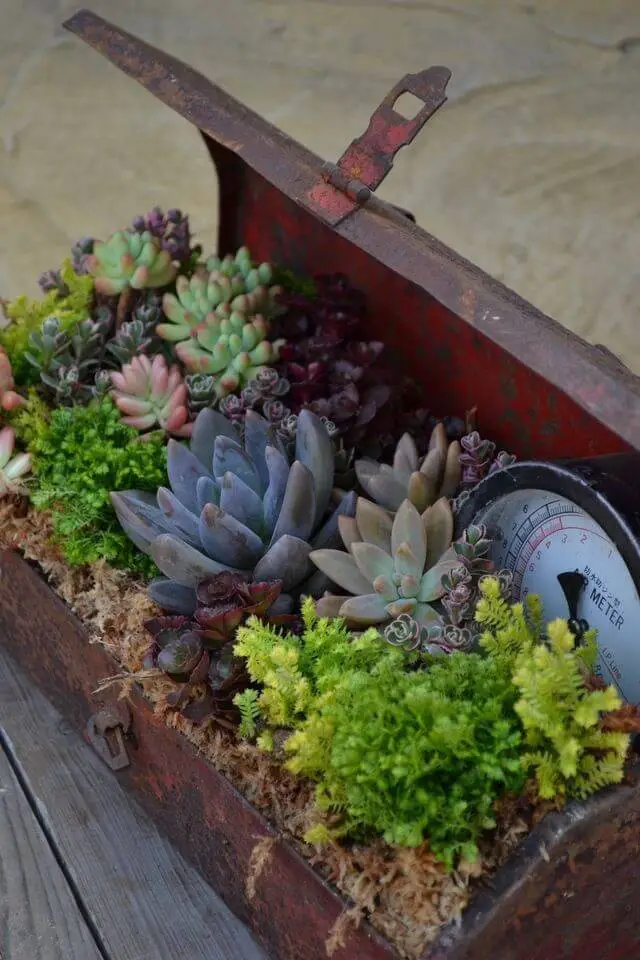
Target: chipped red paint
x=541, y=392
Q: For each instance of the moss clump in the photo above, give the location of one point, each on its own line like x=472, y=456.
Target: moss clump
x=81, y=454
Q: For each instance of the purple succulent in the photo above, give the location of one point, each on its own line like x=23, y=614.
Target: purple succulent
x=172, y=230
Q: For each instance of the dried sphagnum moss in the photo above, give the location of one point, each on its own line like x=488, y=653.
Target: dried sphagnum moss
x=403, y=892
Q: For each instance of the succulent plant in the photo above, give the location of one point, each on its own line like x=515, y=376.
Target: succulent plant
x=67, y=359
x=438, y=475
x=201, y=391
x=134, y=337
x=182, y=651
x=436, y=638
x=177, y=649
x=404, y=632
x=52, y=280
x=236, y=505
x=12, y=469
x=173, y=232
x=9, y=399
x=253, y=275
x=151, y=394
x=79, y=254
x=226, y=599
x=129, y=261
x=478, y=459
x=393, y=565
x=217, y=293
x=233, y=348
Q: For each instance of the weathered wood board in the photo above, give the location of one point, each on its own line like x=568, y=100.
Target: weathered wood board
x=39, y=918
x=142, y=899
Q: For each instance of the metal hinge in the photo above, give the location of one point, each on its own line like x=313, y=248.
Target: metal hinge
x=106, y=732
x=348, y=184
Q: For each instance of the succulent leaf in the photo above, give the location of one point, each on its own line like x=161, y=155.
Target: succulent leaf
x=181, y=562
x=179, y=519
x=365, y=610
x=230, y=456
x=296, y=516
x=184, y=470
x=229, y=540
x=286, y=560
x=139, y=517
x=342, y=569
x=172, y=596
x=315, y=450
x=208, y=426
x=238, y=499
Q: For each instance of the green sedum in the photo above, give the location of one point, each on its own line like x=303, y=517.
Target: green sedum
x=402, y=754
x=81, y=453
x=564, y=745
x=26, y=316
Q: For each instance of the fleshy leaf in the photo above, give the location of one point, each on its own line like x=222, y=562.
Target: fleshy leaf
x=179, y=519
x=285, y=560
x=330, y=605
x=227, y=540
x=431, y=584
x=372, y=562
x=243, y=503
x=438, y=523
x=298, y=507
x=408, y=528
x=278, y=469
x=208, y=425
x=452, y=471
x=365, y=610
x=329, y=535
x=184, y=470
x=139, y=517
x=385, y=489
x=207, y=491
x=315, y=450
x=258, y=435
x=342, y=569
x=374, y=524
x=172, y=596
x=180, y=562
x=405, y=458
x=228, y=455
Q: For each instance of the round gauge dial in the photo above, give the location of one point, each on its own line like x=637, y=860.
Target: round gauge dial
x=564, y=540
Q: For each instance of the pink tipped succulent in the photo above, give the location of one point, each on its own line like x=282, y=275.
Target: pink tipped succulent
x=11, y=469
x=152, y=394
x=9, y=399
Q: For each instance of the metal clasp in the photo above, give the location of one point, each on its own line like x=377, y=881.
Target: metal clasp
x=106, y=732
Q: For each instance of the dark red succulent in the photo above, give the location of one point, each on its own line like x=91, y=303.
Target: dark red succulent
x=342, y=377
x=226, y=599
x=177, y=649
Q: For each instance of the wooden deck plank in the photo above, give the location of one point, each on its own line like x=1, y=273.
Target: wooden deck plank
x=39, y=918
x=144, y=899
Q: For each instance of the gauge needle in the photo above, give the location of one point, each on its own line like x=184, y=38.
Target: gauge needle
x=573, y=583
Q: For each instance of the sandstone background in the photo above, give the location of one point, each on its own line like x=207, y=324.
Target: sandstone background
x=531, y=170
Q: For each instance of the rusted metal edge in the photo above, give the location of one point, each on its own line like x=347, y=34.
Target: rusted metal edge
x=596, y=382
x=50, y=644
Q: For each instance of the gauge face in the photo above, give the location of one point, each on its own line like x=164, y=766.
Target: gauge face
x=538, y=535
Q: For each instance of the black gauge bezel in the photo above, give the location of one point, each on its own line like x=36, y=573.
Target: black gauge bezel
x=590, y=484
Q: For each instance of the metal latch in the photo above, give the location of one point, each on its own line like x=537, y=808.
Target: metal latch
x=106, y=732
x=346, y=185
